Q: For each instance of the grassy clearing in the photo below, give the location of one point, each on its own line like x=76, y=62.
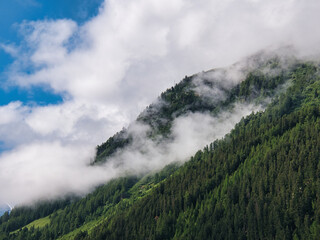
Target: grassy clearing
x=39, y=223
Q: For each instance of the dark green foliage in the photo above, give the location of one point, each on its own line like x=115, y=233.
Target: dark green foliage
x=118, y=141
x=183, y=98
x=262, y=181
x=92, y=206
x=71, y=215
x=21, y=216
x=81, y=236
x=78, y=212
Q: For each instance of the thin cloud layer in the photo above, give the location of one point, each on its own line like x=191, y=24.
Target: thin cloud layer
x=112, y=66
x=187, y=137
x=49, y=169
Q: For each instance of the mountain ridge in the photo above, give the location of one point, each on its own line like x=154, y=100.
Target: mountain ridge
x=175, y=203
x=206, y=92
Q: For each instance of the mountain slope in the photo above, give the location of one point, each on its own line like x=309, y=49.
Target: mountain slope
x=259, y=182
x=251, y=81
x=243, y=186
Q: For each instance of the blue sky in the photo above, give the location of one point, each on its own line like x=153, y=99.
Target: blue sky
x=13, y=13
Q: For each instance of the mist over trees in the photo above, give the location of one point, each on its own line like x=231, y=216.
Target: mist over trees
x=260, y=181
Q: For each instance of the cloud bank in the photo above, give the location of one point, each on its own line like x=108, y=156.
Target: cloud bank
x=109, y=68
x=187, y=137
x=46, y=170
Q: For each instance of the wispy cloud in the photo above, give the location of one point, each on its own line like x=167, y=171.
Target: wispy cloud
x=9, y=49
x=112, y=66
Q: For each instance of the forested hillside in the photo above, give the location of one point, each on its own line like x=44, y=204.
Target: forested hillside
x=212, y=92
x=261, y=181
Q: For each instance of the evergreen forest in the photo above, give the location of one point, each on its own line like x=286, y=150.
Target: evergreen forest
x=261, y=181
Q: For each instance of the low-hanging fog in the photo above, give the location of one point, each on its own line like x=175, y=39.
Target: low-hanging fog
x=43, y=170
x=47, y=170
x=111, y=67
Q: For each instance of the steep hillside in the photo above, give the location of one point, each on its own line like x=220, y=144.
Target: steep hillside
x=253, y=80
x=261, y=181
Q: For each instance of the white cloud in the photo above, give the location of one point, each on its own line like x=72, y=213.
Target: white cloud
x=9, y=49
x=187, y=137
x=13, y=112
x=47, y=170
x=112, y=66
x=131, y=43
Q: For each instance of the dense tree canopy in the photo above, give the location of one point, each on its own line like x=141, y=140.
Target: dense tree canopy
x=261, y=181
